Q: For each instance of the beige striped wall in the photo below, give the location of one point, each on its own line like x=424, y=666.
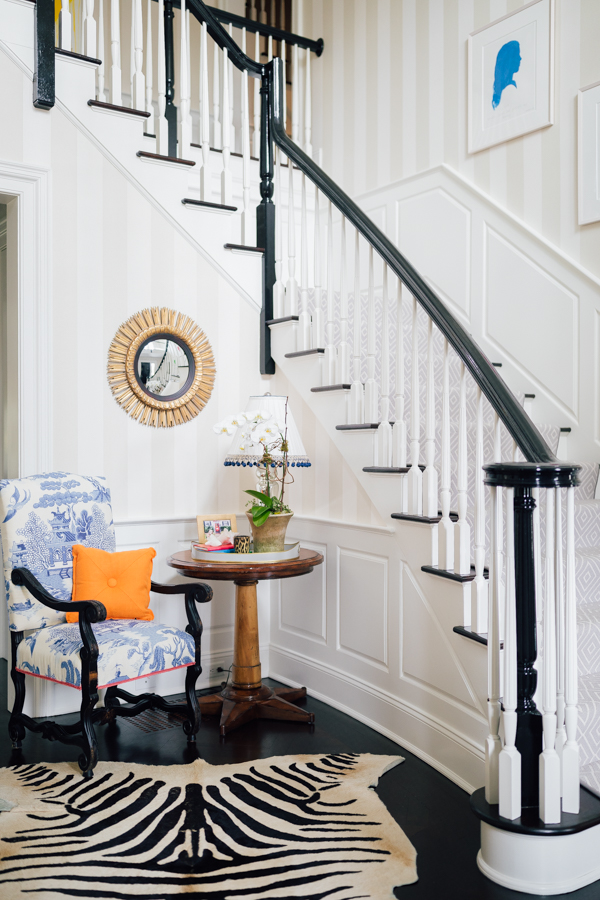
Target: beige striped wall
x=394, y=99
x=112, y=254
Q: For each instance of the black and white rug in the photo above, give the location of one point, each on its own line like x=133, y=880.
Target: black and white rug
x=287, y=827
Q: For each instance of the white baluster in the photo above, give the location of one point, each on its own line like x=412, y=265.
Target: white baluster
x=231, y=101
x=446, y=525
x=430, y=475
x=115, y=54
x=226, y=180
x=343, y=353
x=132, y=55
x=462, y=540
x=65, y=26
x=205, y=176
x=89, y=31
x=256, y=110
x=149, y=72
x=304, y=324
x=307, y=109
x=138, y=100
x=509, y=760
x=415, y=477
x=162, y=127
x=493, y=744
x=383, y=441
x=295, y=104
x=560, y=631
x=318, y=330
x=399, y=436
x=283, y=56
x=329, y=359
x=291, y=288
x=371, y=386
x=479, y=606
x=549, y=760
x=356, y=410
x=570, y=754
x=217, y=138
x=246, y=216
x=183, y=124
x=100, y=70
x=278, y=287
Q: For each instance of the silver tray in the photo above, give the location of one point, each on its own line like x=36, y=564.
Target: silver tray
x=292, y=551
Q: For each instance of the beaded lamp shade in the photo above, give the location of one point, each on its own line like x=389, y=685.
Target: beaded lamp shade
x=275, y=405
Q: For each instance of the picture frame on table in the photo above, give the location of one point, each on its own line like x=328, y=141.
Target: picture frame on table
x=511, y=76
x=215, y=524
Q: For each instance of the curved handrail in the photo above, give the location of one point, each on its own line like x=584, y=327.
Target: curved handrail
x=240, y=60
x=528, y=438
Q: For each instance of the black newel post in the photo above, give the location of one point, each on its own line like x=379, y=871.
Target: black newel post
x=43, y=77
x=529, y=720
x=170, y=109
x=265, y=222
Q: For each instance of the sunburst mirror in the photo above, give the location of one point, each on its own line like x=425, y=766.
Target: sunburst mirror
x=161, y=368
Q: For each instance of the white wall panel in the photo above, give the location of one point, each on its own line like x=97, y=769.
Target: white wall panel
x=520, y=297
x=434, y=232
x=363, y=605
x=303, y=601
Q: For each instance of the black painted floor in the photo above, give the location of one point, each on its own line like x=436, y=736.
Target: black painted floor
x=433, y=812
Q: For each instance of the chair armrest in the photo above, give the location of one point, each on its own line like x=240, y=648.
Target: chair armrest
x=197, y=591
x=90, y=610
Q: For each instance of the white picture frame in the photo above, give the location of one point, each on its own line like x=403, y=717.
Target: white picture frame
x=588, y=153
x=511, y=76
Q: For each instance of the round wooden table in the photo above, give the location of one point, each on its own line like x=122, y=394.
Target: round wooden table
x=246, y=697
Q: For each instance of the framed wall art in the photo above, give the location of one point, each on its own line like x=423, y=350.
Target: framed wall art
x=218, y=524
x=511, y=76
x=588, y=141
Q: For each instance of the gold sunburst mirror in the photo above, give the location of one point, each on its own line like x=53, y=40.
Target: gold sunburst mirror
x=161, y=367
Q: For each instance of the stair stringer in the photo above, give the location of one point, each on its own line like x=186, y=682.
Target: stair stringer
x=419, y=708
x=119, y=138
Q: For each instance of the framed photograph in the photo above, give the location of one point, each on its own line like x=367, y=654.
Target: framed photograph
x=216, y=524
x=588, y=147
x=511, y=76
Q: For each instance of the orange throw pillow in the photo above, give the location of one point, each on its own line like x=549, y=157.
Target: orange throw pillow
x=121, y=581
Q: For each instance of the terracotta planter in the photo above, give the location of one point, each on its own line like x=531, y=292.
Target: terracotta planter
x=270, y=537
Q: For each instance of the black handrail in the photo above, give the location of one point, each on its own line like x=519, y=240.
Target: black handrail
x=212, y=15
x=240, y=60
x=528, y=438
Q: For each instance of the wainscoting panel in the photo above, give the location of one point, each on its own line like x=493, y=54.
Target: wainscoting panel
x=303, y=601
x=529, y=305
x=445, y=264
x=362, y=606
x=426, y=701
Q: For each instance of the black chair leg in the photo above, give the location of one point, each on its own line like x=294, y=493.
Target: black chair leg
x=16, y=729
x=89, y=757
x=192, y=724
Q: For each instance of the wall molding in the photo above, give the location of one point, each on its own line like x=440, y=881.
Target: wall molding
x=469, y=748
x=31, y=187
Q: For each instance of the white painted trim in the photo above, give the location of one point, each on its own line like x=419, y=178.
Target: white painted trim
x=336, y=523
x=464, y=742
x=449, y=172
x=127, y=174
x=31, y=186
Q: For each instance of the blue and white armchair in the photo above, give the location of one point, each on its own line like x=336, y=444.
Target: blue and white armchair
x=41, y=517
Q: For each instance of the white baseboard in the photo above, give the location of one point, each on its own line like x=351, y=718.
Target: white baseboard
x=457, y=757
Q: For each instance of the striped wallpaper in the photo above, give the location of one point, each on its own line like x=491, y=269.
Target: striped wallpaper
x=394, y=102
x=113, y=254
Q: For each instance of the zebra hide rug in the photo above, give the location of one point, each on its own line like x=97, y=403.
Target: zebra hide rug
x=271, y=829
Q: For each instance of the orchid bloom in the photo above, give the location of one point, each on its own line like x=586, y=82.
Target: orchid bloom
x=227, y=426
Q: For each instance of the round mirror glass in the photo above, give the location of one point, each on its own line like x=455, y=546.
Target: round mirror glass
x=164, y=367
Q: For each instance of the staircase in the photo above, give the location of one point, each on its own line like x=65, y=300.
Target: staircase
x=412, y=404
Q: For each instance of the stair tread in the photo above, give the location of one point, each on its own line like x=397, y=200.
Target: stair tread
x=100, y=104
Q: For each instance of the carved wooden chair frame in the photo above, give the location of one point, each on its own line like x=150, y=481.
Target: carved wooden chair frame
x=82, y=733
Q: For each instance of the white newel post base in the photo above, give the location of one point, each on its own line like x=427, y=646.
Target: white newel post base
x=543, y=865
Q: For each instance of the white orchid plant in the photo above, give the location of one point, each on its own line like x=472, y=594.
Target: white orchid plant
x=261, y=432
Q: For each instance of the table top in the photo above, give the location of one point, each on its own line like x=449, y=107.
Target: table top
x=245, y=571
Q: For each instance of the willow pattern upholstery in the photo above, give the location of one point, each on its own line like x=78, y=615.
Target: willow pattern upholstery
x=41, y=517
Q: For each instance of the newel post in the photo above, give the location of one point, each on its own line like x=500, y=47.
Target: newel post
x=43, y=76
x=170, y=108
x=265, y=218
x=534, y=732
